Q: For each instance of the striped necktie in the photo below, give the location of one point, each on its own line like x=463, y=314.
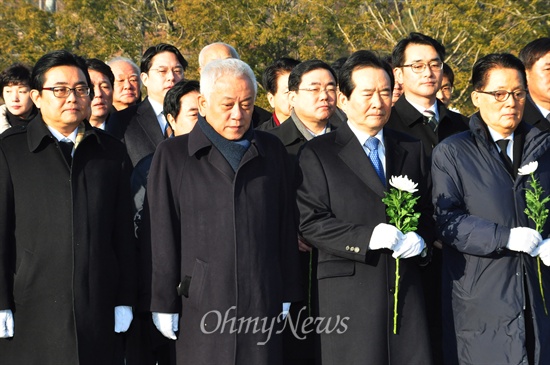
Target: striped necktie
x=429, y=119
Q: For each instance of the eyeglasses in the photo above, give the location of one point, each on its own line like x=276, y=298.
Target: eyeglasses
x=178, y=71
x=419, y=67
x=133, y=79
x=64, y=91
x=503, y=95
x=316, y=91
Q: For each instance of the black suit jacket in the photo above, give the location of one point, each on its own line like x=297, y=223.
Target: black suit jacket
x=138, y=127
x=340, y=203
x=405, y=118
x=533, y=116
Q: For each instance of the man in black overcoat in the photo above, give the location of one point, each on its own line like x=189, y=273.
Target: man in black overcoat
x=536, y=58
x=67, y=250
x=223, y=235
x=342, y=214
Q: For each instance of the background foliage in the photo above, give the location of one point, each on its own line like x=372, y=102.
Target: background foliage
x=263, y=30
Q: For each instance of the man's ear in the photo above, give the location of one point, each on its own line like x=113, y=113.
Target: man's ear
x=203, y=103
x=292, y=98
x=271, y=99
x=170, y=119
x=342, y=101
x=475, y=99
x=144, y=78
x=398, y=74
x=36, y=97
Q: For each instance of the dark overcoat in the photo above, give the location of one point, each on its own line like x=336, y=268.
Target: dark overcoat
x=340, y=203
x=67, y=253
x=533, y=115
x=228, y=240
x=138, y=127
x=486, y=286
x=407, y=119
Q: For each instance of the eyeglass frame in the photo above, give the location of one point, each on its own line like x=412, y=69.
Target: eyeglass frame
x=317, y=91
x=447, y=88
x=508, y=93
x=68, y=90
x=424, y=66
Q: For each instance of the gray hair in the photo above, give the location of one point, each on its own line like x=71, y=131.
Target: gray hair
x=230, y=67
x=203, y=51
x=124, y=59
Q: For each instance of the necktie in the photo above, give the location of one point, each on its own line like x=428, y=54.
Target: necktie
x=548, y=116
x=168, y=131
x=372, y=145
x=503, y=144
x=429, y=119
x=67, y=149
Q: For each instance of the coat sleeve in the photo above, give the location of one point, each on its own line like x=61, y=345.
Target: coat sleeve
x=6, y=235
x=124, y=239
x=164, y=232
x=318, y=224
x=290, y=268
x=455, y=226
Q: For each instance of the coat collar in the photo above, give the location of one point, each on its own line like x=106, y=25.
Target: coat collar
x=531, y=142
x=37, y=132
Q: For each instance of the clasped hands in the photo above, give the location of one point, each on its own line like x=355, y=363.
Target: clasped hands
x=528, y=240
x=403, y=245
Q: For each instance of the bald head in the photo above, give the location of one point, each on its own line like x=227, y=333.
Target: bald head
x=216, y=51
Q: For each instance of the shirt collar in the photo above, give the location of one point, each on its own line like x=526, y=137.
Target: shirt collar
x=363, y=136
x=421, y=109
x=497, y=136
x=60, y=137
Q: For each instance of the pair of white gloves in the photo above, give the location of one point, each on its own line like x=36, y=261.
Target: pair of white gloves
x=168, y=323
x=524, y=239
x=123, y=319
x=403, y=245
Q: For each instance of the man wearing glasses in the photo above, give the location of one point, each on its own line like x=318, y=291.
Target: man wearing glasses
x=312, y=97
x=418, y=66
x=143, y=126
x=67, y=251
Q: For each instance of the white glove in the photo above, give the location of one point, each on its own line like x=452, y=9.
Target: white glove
x=167, y=323
x=384, y=236
x=523, y=239
x=411, y=245
x=123, y=318
x=286, y=308
x=6, y=323
x=543, y=250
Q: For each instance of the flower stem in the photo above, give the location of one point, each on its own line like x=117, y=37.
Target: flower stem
x=540, y=285
x=395, y=296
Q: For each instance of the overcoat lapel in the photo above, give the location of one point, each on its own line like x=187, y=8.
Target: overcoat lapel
x=395, y=155
x=148, y=121
x=353, y=155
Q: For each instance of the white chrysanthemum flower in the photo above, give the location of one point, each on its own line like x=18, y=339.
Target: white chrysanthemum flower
x=403, y=183
x=529, y=168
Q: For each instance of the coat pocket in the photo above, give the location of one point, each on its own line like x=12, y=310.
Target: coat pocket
x=335, y=268
x=20, y=279
x=197, y=283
